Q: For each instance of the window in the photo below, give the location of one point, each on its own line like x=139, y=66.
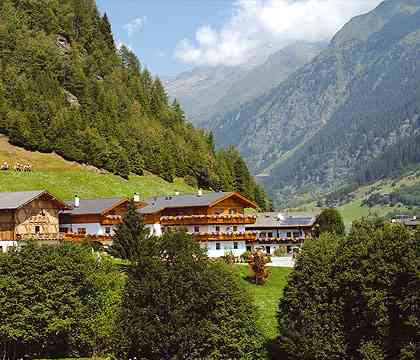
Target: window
x=1, y=249
x=108, y=230
x=64, y=230
x=37, y=229
x=81, y=231
x=270, y=234
x=235, y=228
x=217, y=229
x=196, y=229
x=235, y=245
x=232, y=211
x=289, y=234
x=217, y=246
x=262, y=235
x=296, y=234
x=249, y=248
x=268, y=249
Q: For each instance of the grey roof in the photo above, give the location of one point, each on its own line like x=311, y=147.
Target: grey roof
x=156, y=204
x=15, y=200
x=92, y=206
x=283, y=220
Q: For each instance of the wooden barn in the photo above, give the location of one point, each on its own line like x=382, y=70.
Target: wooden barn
x=28, y=215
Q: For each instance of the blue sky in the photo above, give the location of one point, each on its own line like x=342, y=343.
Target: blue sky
x=161, y=25
x=170, y=36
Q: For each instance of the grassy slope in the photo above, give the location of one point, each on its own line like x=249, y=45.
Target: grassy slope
x=65, y=178
x=353, y=209
x=266, y=297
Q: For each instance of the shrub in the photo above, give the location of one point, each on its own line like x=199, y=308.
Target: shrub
x=245, y=255
x=258, y=267
x=280, y=251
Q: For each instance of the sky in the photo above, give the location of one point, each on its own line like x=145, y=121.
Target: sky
x=171, y=36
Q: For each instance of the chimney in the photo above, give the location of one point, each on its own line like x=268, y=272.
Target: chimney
x=136, y=197
x=200, y=192
x=76, y=201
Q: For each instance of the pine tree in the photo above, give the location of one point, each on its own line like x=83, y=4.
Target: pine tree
x=129, y=237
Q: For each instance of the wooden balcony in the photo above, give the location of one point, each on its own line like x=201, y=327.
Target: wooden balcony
x=236, y=219
x=246, y=236
x=102, y=239
x=276, y=240
x=111, y=220
x=40, y=237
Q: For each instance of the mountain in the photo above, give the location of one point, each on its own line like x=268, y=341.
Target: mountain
x=205, y=92
x=354, y=102
x=66, y=88
x=198, y=90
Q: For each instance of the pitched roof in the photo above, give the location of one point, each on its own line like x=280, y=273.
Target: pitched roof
x=156, y=204
x=93, y=206
x=283, y=220
x=15, y=200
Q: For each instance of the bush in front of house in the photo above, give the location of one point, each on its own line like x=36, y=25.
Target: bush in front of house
x=354, y=297
x=280, y=251
x=56, y=301
x=245, y=256
x=180, y=305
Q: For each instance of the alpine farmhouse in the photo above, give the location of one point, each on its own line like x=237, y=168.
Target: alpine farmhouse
x=29, y=215
x=223, y=222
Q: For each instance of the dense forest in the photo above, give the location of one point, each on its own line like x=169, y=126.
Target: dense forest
x=66, y=87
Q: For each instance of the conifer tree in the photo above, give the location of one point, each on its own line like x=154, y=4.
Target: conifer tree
x=130, y=236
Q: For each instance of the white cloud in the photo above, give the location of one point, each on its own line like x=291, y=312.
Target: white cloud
x=256, y=25
x=135, y=26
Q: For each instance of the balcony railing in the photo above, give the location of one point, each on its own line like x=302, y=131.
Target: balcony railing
x=246, y=236
x=111, y=220
x=103, y=239
x=234, y=219
x=279, y=240
x=40, y=237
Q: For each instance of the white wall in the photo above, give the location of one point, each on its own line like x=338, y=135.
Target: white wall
x=225, y=246
x=91, y=229
x=4, y=245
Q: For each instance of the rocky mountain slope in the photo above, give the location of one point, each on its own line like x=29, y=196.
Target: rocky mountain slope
x=359, y=97
x=207, y=91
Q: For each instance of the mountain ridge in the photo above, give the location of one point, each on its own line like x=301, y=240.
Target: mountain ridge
x=372, y=58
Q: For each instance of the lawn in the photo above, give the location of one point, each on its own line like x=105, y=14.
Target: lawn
x=266, y=297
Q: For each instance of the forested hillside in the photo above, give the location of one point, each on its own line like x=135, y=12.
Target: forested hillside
x=65, y=87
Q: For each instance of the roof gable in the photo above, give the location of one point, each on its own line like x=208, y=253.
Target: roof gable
x=94, y=206
x=157, y=204
x=16, y=200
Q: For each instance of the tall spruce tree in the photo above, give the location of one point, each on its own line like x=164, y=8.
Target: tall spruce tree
x=130, y=236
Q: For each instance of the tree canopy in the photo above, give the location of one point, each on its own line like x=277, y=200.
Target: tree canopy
x=330, y=221
x=179, y=305
x=56, y=301
x=355, y=297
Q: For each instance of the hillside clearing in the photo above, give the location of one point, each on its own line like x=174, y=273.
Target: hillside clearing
x=66, y=178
